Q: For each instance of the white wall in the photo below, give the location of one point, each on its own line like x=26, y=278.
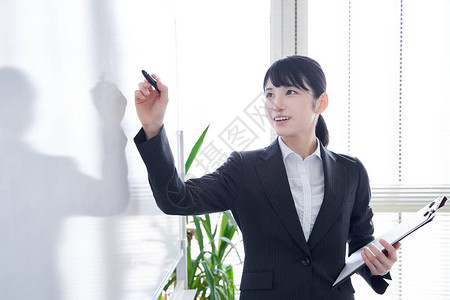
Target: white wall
x=77, y=218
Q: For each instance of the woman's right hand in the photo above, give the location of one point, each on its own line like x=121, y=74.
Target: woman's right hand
x=151, y=106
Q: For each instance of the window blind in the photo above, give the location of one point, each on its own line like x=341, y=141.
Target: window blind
x=387, y=64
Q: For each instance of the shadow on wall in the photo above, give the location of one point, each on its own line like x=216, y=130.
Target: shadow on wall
x=38, y=191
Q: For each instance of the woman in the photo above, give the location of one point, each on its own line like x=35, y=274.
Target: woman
x=297, y=203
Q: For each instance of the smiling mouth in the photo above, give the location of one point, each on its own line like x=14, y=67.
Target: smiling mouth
x=280, y=119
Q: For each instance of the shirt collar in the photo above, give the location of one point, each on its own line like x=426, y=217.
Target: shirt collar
x=286, y=151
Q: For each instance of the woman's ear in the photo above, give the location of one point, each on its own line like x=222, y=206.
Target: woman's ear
x=322, y=103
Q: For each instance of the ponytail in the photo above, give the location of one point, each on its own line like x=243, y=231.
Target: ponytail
x=322, y=131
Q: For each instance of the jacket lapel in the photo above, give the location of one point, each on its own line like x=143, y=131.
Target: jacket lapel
x=274, y=179
x=335, y=180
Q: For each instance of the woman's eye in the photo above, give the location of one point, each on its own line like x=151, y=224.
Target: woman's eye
x=291, y=92
x=269, y=95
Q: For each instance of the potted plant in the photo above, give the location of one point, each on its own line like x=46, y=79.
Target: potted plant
x=207, y=271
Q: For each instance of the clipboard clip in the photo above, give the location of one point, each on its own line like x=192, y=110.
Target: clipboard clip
x=434, y=206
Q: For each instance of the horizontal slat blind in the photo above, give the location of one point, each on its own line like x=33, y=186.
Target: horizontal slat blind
x=423, y=267
x=386, y=63
x=403, y=198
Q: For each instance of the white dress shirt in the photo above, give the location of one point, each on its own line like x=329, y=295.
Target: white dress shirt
x=306, y=181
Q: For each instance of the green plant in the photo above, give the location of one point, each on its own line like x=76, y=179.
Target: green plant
x=207, y=272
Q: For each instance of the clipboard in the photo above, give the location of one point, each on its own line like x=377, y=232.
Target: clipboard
x=395, y=234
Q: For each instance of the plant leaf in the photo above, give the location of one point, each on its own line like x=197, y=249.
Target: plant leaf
x=210, y=281
x=231, y=218
x=228, y=242
x=198, y=231
x=232, y=287
x=221, y=293
x=207, y=225
x=195, y=150
x=226, y=230
x=197, y=261
x=189, y=264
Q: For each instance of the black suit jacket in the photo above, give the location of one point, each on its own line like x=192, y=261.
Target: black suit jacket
x=279, y=263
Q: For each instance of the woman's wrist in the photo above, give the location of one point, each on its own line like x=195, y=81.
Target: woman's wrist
x=152, y=130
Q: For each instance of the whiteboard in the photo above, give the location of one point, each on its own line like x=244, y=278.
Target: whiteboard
x=77, y=218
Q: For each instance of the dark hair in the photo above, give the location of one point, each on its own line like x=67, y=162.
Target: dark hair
x=301, y=72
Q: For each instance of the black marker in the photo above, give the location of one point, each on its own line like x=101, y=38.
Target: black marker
x=151, y=80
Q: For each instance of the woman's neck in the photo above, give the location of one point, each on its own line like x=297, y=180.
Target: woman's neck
x=302, y=145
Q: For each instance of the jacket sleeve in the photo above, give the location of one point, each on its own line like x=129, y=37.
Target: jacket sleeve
x=211, y=193
x=361, y=229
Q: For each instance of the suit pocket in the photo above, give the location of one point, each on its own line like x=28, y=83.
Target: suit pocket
x=347, y=287
x=257, y=280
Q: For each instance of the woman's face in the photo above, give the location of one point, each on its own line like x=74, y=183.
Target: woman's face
x=290, y=110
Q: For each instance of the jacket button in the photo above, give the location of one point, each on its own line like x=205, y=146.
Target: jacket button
x=305, y=261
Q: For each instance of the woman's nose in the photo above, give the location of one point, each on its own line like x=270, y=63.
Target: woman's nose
x=276, y=103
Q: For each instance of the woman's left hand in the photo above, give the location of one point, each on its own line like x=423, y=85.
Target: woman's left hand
x=378, y=262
